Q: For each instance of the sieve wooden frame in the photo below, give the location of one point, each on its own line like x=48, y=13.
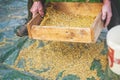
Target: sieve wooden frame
x=68, y=34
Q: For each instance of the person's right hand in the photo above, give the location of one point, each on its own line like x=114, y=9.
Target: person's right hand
x=37, y=7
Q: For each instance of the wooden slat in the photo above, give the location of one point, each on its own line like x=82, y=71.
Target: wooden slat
x=34, y=21
x=61, y=34
x=97, y=27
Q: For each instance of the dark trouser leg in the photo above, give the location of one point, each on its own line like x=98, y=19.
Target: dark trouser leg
x=30, y=2
x=115, y=20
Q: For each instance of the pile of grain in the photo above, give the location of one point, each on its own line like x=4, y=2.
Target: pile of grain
x=74, y=58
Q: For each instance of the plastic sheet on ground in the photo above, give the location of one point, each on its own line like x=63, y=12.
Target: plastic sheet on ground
x=13, y=65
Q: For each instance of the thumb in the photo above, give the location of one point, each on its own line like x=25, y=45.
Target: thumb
x=33, y=14
x=33, y=11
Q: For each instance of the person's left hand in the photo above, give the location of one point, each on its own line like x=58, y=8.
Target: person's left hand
x=106, y=13
x=37, y=7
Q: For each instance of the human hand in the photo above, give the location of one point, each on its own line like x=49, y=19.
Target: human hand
x=37, y=7
x=106, y=12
